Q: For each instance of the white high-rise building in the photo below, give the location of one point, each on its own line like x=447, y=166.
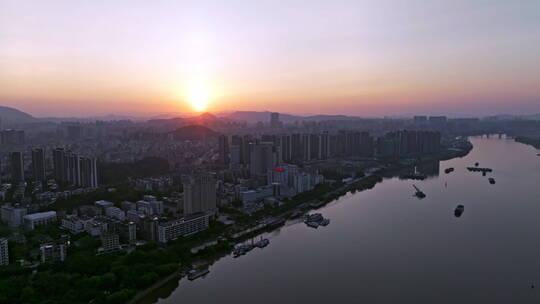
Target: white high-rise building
x=199, y=193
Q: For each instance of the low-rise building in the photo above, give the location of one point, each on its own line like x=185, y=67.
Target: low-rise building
x=157, y=207
x=52, y=252
x=116, y=213
x=110, y=242
x=12, y=216
x=144, y=207
x=293, y=180
x=74, y=223
x=135, y=216
x=252, y=196
x=89, y=210
x=31, y=221
x=173, y=230
x=103, y=204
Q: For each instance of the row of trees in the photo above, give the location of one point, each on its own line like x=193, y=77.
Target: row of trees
x=85, y=277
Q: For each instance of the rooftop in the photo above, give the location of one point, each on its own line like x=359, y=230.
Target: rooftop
x=39, y=215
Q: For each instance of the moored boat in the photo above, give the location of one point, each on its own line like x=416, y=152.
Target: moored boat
x=195, y=274
x=459, y=210
x=262, y=243
x=313, y=224
x=315, y=220
x=419, y=193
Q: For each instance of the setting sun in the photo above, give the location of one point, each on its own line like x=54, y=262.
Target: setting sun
x=198, y=97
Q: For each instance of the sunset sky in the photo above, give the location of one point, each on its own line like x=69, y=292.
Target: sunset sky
x=458, y=57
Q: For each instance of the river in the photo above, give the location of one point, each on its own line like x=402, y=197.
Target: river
x=386, y=246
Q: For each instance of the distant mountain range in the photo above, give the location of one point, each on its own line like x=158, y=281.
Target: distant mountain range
x=108, y=117
x=13, y=116
x=253, y=117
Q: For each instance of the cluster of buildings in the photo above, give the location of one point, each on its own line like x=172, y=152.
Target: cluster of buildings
x=15, y=217
x=80, y=174
x=260, y=154
x=404, y=144
x=152, y=184
x=251, y=169
x=290, y=180
x=73, y=169
x=12, y=137
x=145, y=219
x=68, y=168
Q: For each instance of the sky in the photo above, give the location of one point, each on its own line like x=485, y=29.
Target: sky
x=368, y=58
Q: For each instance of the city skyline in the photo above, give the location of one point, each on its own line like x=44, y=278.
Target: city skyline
x=353, y=57
x=163, y=152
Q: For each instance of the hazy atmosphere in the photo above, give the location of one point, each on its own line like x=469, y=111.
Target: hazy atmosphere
x=290, y=152
x=461, y=58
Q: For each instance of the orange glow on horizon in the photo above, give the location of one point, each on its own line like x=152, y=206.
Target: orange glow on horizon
x=198, y=97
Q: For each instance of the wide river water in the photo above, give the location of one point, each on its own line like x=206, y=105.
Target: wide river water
x=386, y=246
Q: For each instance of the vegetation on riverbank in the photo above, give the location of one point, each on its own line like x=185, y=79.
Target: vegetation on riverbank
x=535, y=142
x=114, y=278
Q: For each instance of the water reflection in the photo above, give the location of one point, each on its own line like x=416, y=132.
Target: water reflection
x=431, y=169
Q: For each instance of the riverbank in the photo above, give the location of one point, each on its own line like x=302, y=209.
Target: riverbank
x=309, y=201
x=532, y=141
x=143, y=293
x=384, y=234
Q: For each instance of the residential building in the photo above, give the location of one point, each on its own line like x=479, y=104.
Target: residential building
x=52, y=252
x=224, y=157
x=17, y=167
x=144, y=207
x=75, y=224
x=38, y=165
x=12, y=216
x=187, y=226
x=31, y=221
x=116, y=213
x=103, y=204
x=199, y=193
x=110, y=241
x=75, y=170
x=262, y=158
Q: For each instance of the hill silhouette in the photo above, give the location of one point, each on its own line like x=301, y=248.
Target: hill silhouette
x=193, y=132
x=14, y=116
